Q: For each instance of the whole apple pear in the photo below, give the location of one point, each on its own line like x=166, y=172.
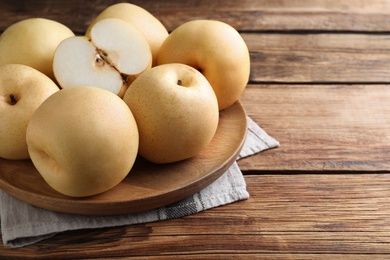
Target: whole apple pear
x=22, y=91
x=214, y=48
x=176, y=111
x=32, y=42
x=83, y=140
x=153, y=30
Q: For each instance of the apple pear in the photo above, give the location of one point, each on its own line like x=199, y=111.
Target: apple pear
x=153, y=30
x=22, y=91
x=32, y=42
x=176, y=111
x=214, y=48
x=114, y=55
x=83, y=140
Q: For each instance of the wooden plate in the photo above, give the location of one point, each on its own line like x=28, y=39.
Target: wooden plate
x=147, y=186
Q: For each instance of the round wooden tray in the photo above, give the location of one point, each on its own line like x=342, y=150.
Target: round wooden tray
x=147, y=186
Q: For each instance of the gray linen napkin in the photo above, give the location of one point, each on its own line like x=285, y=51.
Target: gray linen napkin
x=23, y=224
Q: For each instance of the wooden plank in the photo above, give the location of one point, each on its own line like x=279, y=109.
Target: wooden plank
x=291, y=58
x=319, y=58
x=287, y=215
x=246, y=15
x=321, y=128
x=266, y=256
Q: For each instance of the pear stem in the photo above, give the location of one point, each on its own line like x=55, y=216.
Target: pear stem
x=12, y=98
x=179, y=82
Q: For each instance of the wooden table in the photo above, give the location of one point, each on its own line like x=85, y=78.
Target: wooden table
x=320, y=85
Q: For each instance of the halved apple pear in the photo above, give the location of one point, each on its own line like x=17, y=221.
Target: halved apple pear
x=115, y=54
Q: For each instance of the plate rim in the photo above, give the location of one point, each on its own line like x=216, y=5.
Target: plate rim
x=120, y=207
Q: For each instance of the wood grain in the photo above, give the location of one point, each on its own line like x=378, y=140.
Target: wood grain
x=247, y=15
x=276, y=58
x=321, y=128
x=319, y=58
x=287, y=216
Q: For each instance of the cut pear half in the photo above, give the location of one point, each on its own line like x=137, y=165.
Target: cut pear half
x=111, y=59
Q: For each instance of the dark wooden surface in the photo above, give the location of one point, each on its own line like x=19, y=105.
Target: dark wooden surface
x=319, y=85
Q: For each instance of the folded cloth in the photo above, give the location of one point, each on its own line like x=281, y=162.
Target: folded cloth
x=23, y=224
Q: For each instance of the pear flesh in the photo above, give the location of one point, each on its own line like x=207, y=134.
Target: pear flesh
x=114, y=55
